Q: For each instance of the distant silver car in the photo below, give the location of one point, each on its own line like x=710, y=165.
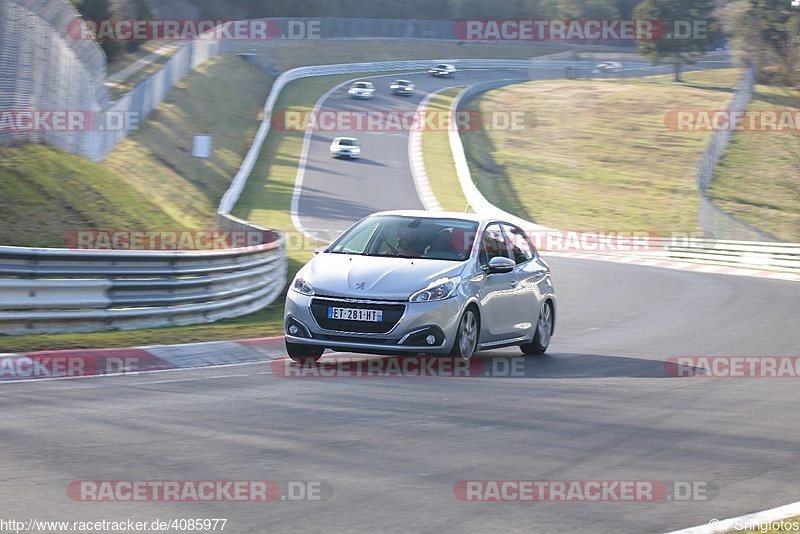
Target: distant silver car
x=363, y=90
x=444, y=70
x=402, y=87
x=420, y=281
x=345, y=147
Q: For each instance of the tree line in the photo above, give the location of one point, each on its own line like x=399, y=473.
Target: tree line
x=764, y=33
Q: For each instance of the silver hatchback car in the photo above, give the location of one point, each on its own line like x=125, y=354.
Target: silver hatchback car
x=422, y=282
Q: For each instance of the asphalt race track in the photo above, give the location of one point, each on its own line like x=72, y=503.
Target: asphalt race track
x=599, y=406
x=337, y=193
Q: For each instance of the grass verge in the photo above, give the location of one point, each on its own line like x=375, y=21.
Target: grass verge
x=284, y=55
x=437, y=157
x=596, y=154
x=758, y=179
x=150, y=180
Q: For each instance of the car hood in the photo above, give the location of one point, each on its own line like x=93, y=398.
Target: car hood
x=389, y=278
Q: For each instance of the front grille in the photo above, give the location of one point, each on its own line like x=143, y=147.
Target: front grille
x=391, y=314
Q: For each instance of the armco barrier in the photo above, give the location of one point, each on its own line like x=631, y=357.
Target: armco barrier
x=757, y=254
x=45, y=290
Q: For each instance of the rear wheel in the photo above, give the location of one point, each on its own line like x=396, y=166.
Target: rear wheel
x=467, y=335
x=304, y=353
x=544, y=329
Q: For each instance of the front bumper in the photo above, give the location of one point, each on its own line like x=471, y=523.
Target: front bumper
x=408, y=335
x=345, y=154
x=361, y=96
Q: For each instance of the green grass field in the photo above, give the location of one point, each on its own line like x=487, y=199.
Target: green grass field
x=436, y=154
x=150, y=180
x=596, y=154
x=759, y=176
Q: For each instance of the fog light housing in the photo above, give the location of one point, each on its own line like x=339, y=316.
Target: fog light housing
x=295, y=328
x=429, y=336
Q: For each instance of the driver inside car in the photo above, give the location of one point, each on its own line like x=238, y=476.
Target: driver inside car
x=408, y=244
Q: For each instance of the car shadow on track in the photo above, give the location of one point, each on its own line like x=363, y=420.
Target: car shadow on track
x=365, y=161
x=488, y=365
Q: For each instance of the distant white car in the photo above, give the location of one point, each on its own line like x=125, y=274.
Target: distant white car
x=402, y=87
x=363, y=90
x=444, y=70
x=345, y=147
x=608, y=66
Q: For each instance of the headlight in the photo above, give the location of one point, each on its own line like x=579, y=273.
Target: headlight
x=439, y=290
x=302, y=287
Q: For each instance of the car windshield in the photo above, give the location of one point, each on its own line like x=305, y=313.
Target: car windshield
x=362, y=85
x=443, y=66
x=409, y=237
x=347, y=142
x=402, y=82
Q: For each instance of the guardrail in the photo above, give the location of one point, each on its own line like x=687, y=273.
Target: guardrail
x=761, y=255
x=46, y=290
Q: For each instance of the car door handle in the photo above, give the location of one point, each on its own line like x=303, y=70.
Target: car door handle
x=514, y=283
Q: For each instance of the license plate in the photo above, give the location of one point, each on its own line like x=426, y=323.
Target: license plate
x=355, y=314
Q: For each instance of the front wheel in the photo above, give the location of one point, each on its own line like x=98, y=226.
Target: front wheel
x=544, y=329
x=467, y=335
x=304, y=353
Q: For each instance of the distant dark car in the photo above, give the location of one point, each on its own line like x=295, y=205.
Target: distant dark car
x=443, y=70
x=402, y=87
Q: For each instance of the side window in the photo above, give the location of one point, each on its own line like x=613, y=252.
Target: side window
x=493, y=244
x=518, y=241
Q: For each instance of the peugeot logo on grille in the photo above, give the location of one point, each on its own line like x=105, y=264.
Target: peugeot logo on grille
x=361, y=284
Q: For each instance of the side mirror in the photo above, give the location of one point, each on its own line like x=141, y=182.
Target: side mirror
x=501, y=264
x=319, y=249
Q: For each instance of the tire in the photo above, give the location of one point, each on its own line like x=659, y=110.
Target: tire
x=466, y=341
x=304, y=353
x=544, y=330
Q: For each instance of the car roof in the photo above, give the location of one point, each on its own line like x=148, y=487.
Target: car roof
x=345, y=139
x=402, y=81
x=436, y=214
